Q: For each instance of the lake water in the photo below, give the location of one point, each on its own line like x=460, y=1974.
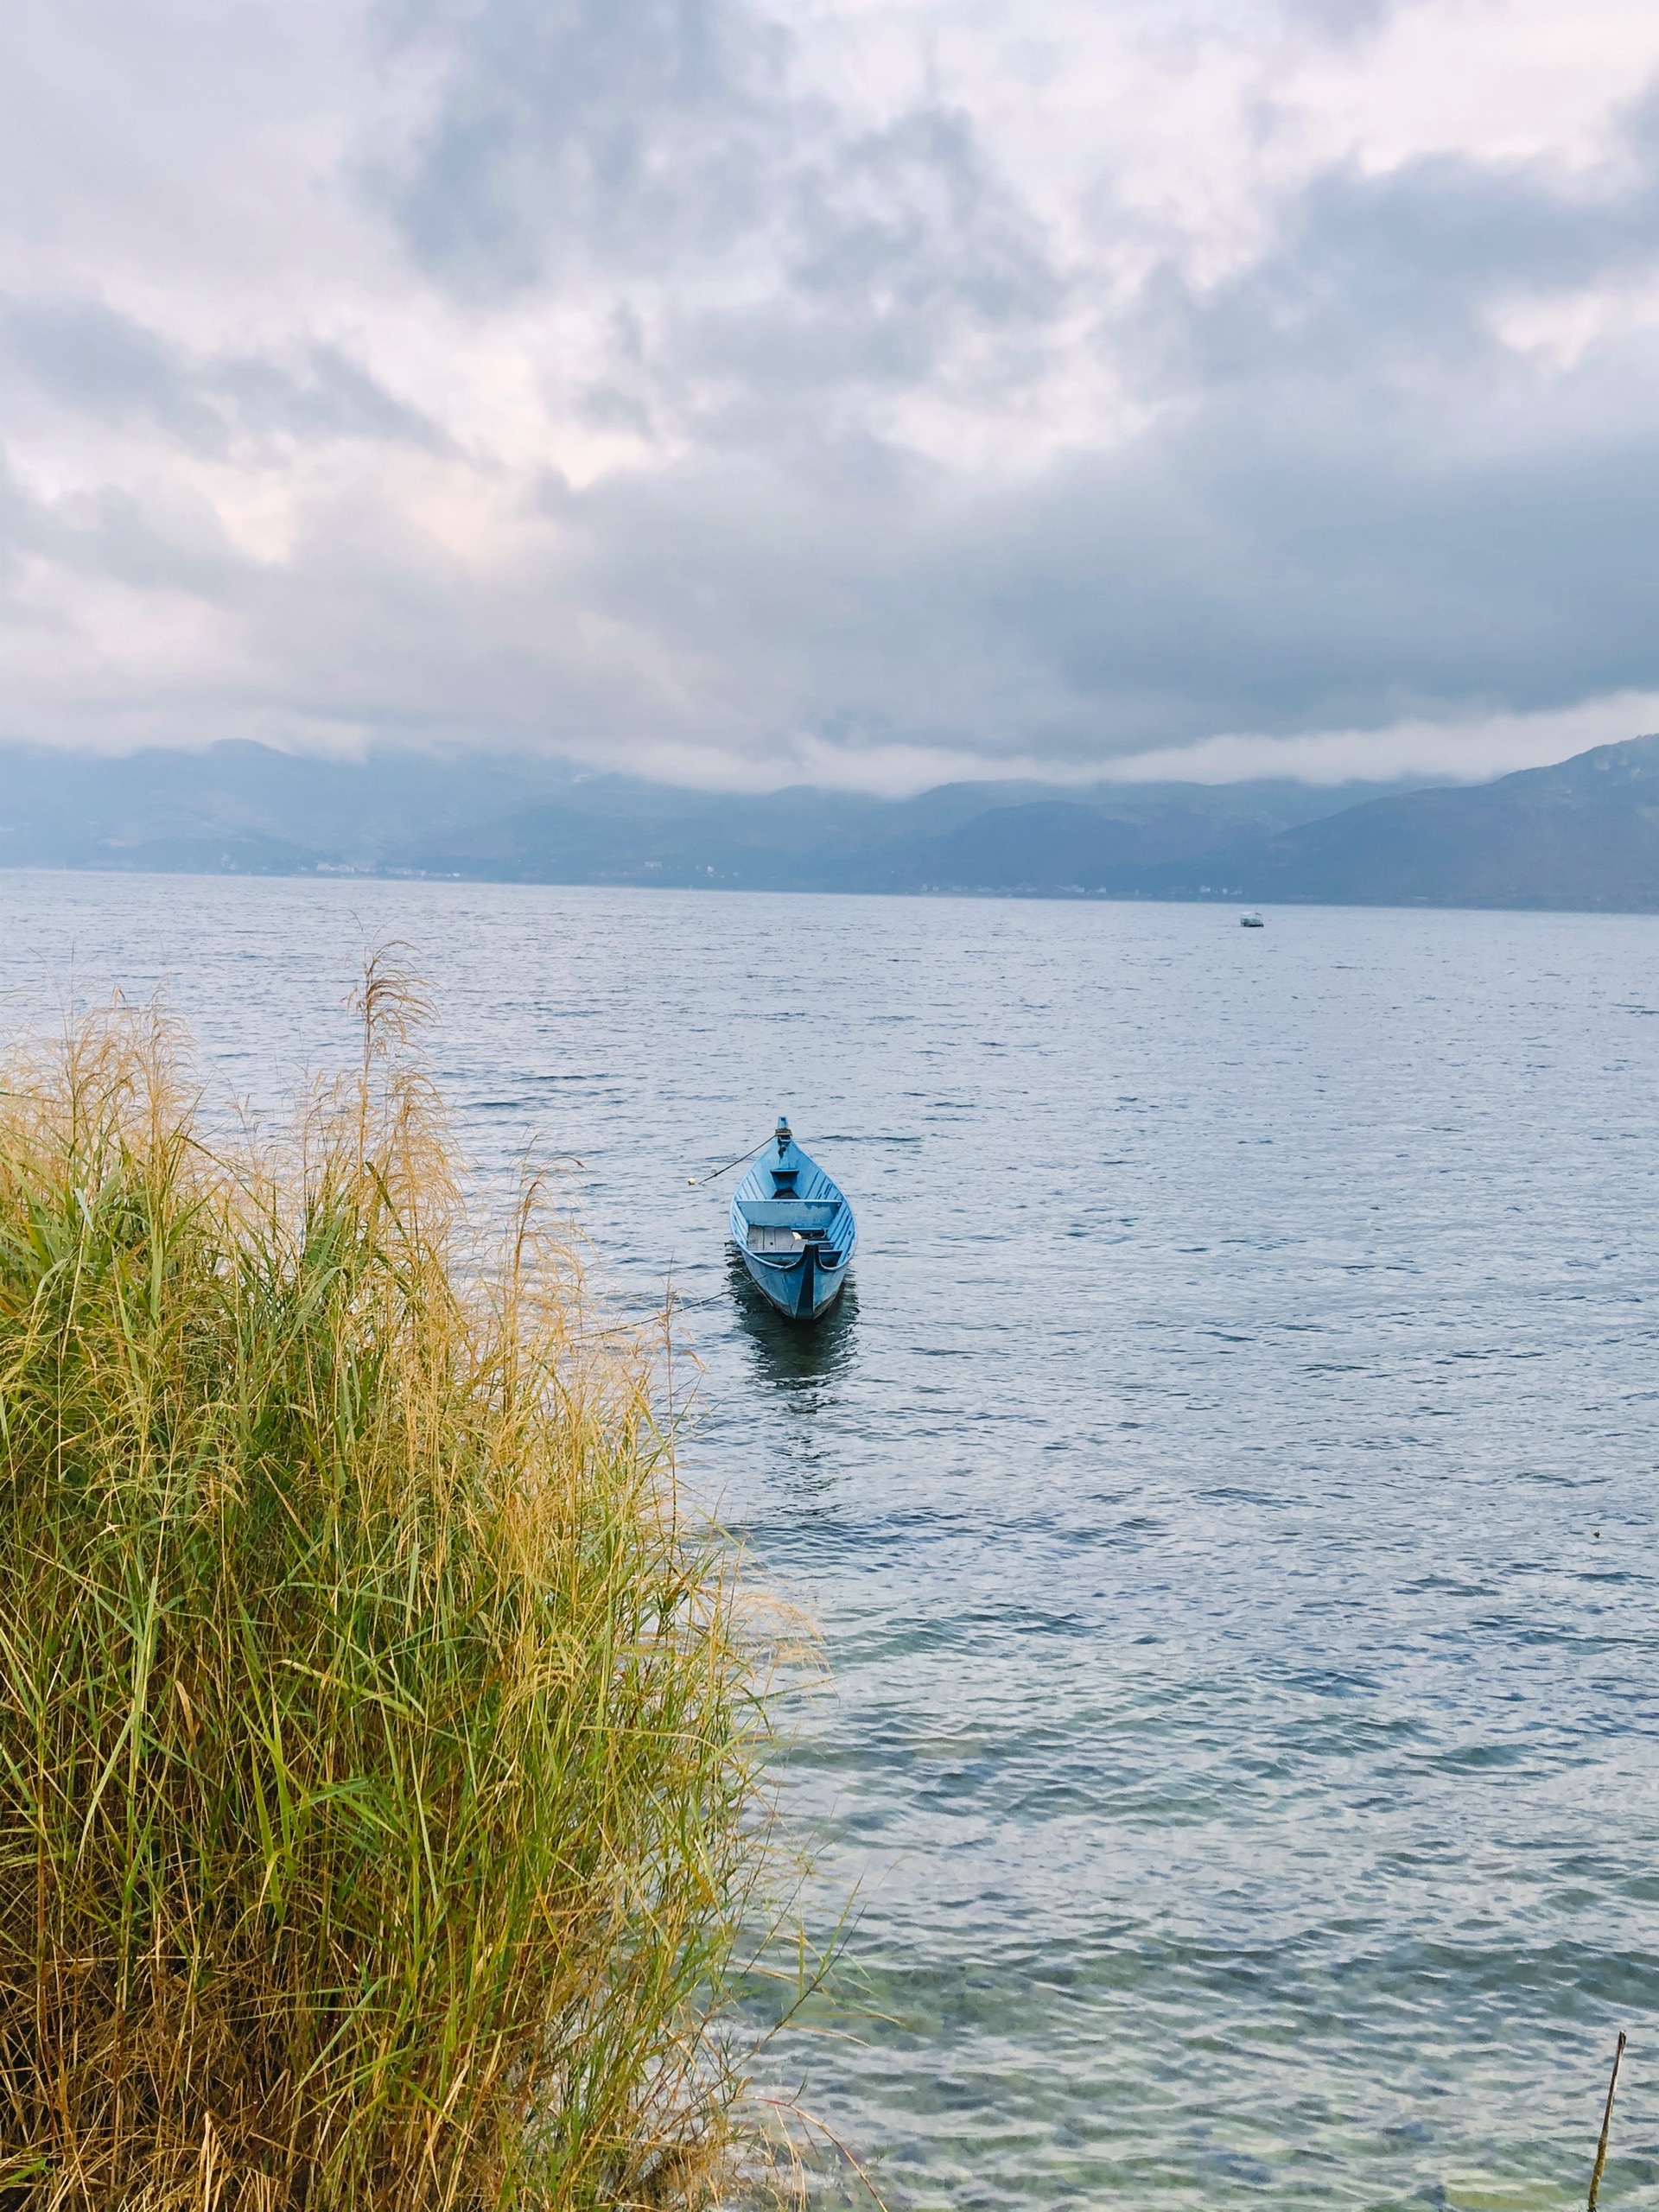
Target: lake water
x=1227, y=1492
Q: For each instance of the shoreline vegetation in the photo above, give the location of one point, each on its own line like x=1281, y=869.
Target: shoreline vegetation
x=384, y=1748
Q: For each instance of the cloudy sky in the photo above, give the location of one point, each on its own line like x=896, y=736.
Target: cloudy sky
x=739, y=392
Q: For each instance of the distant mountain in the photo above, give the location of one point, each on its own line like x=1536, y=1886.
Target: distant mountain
x=1582, y=835
x=1057, y=847
x=975, y=837
x=246, y=809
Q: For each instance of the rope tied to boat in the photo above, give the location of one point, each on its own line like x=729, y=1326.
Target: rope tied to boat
x=697, y=1182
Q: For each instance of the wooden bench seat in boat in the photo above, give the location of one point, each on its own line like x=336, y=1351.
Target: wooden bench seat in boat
x=788, y=1213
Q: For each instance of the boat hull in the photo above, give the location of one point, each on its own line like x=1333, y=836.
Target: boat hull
x=798, y=1288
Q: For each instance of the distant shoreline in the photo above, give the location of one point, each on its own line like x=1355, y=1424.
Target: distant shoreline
x=1221, y=902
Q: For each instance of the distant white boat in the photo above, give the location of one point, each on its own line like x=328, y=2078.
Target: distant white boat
x=1251, y=921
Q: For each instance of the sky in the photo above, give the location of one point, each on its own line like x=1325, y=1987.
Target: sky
x=871, y=395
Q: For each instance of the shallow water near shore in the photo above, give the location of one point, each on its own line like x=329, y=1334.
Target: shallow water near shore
x=1226, y=1492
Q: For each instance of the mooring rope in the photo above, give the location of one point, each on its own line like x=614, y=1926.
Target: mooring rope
x=697, y=1182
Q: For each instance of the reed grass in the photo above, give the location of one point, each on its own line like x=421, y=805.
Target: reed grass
x=380, y=1758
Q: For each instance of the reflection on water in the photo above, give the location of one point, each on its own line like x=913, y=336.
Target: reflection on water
x=791, y=1355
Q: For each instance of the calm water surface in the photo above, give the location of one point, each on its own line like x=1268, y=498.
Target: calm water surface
x=1227, y=1493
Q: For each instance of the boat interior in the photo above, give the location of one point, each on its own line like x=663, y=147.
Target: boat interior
x=791, y=1234
x=783, y=1224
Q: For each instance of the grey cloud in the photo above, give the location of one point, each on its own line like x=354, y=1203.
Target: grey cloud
x=1369, y=270
x=635, y=131
x=329, y=396
x=1341, y=19
x=608, y=407
x=90, y=357
x=178, y=545
x=640, y=137
x=1294, y=561
x=20, y=529
x=1366, y=511
x=86, y=357
x=902, y=245
x=1276, y=560
x=916, y=214
x=172, y=541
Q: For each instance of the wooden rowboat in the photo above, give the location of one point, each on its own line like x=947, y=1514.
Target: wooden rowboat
x=794, y=1229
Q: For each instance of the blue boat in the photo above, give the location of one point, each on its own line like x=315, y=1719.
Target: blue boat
x=794, y=1229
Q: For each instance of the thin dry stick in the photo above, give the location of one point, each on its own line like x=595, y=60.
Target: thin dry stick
x=810, y=2119
x=1607, y=2122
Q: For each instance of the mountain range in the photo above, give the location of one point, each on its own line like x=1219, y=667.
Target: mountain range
x=1584, y=834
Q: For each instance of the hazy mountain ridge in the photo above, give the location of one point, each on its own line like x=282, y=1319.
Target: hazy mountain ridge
x=247, y=808
x=948, y=839
x=1584, y=834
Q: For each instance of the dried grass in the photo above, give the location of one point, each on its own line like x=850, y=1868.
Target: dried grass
x=379, y=1750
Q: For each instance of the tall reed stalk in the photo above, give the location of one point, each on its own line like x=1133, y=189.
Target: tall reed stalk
x=379, y=1756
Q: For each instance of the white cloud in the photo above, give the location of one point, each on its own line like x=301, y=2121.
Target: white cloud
x=1474, y=748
